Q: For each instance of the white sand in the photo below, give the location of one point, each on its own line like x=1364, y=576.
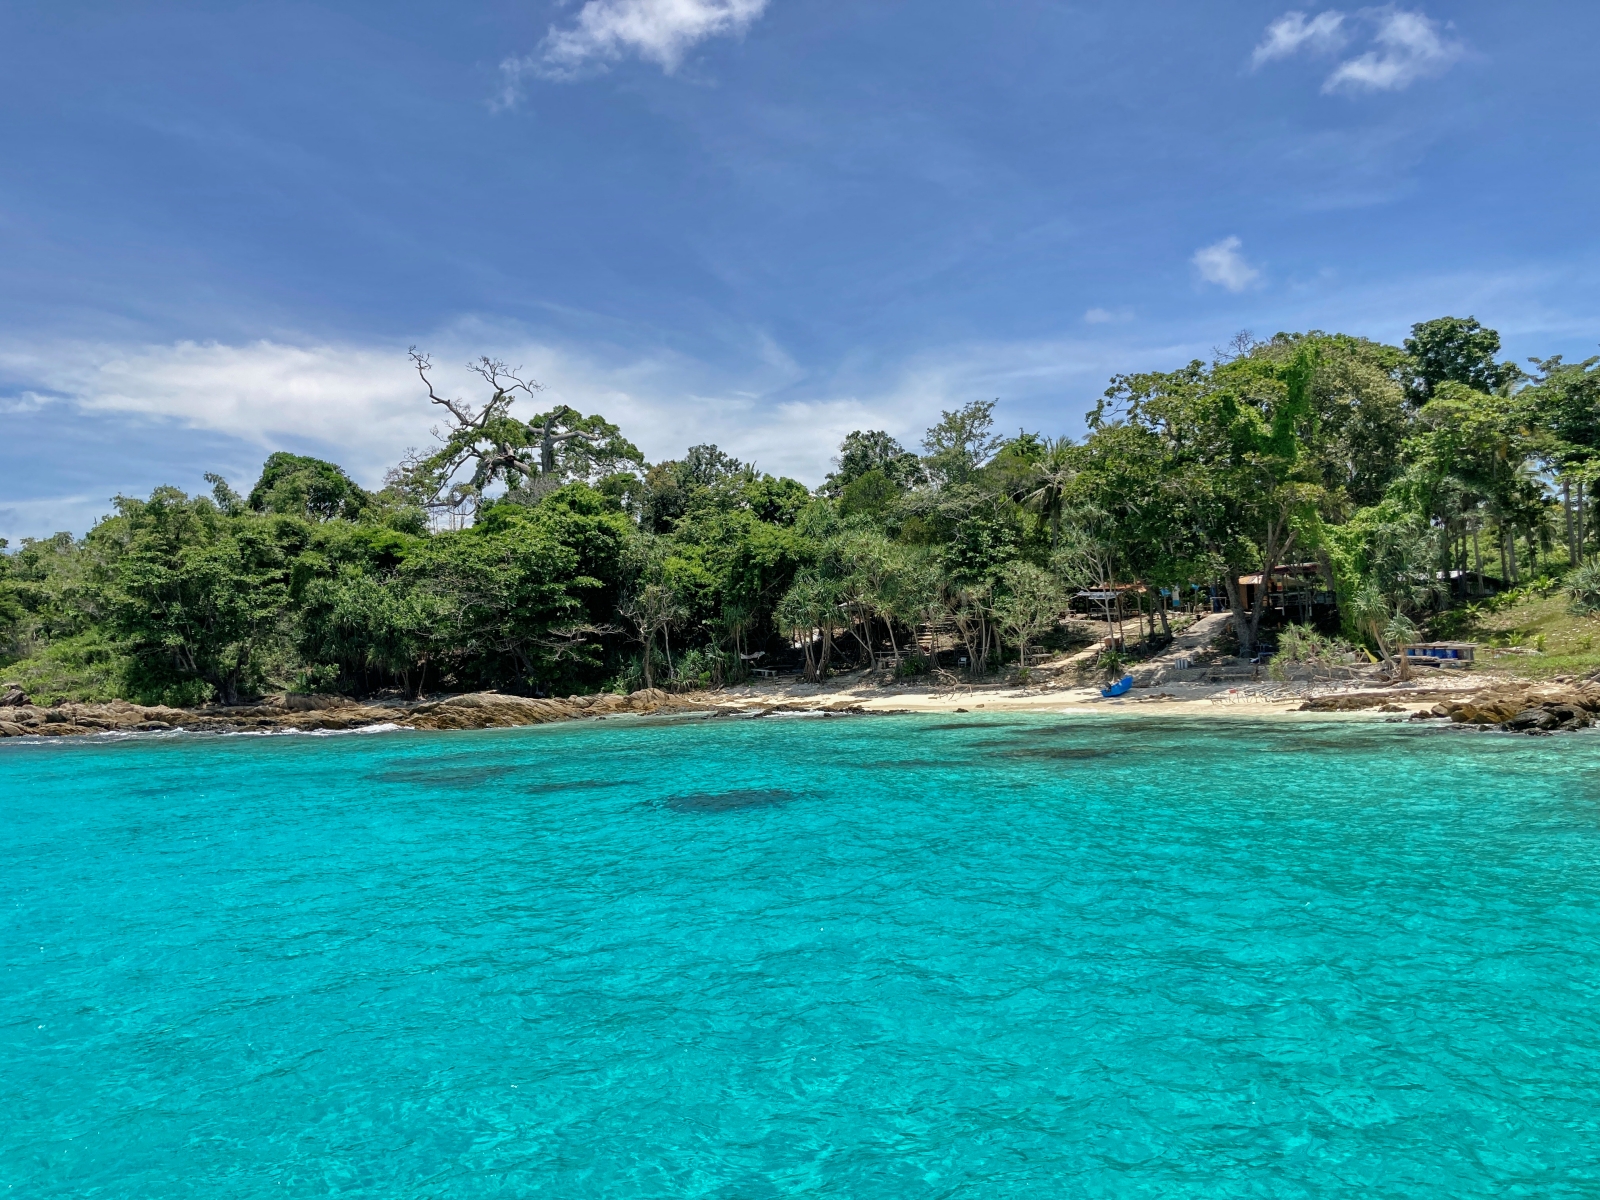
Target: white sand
x=1265, y=698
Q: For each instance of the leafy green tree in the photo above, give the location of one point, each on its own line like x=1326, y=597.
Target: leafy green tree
x=704, y=478
x=1564, y=402
x=1358, y=408
x=872, y=452
x=484, y=445
x=1563, y=409
x=961, y=443
x=1474, y=446
x=1458, y=350
x=194, y=596
x=373, y=628
x=871, y=494
x=1235, y=473
x=11, y=610
x=1030, y=605
x=297, y=486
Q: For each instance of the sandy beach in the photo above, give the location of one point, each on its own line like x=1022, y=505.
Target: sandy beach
x=1265, y=698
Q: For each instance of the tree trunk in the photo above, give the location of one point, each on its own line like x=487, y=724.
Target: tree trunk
x=1581, y=522
x=1477, y=558
x=1242, y=628
x=1566, y=512
x=1511, y=551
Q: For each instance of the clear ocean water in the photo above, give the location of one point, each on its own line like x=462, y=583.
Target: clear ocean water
x=894, y=957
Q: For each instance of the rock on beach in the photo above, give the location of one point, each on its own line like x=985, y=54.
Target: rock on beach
x=476, y=710
x=1511, y=706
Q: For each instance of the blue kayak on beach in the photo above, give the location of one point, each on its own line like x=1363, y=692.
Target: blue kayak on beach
x=1117, y=688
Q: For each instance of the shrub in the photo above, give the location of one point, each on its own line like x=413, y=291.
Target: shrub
x=1110, y=665
x=699, y=668
x=1583, y=587
x=911, y=666
x=629, y=679
x=1301, y=645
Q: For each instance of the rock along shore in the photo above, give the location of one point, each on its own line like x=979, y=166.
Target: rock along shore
x=1512, y=706
x=477, y=710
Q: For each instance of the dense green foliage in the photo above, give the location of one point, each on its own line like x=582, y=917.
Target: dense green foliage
x=546, y=555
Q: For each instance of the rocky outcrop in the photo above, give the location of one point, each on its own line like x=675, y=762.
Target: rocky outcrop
x=478, y=710
x=1526, y=708
x=1383, y=701
x=1508, y=705
x=490, y=710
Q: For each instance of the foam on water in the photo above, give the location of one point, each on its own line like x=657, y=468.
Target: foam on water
x=898, y=957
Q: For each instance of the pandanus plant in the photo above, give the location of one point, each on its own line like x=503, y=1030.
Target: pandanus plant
x=1390, y=628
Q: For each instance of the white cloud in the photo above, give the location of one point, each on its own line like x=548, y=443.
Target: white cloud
x=1405, y=46
x=266, y=393
x=1221, y=263
x=658, y=31
x=363, y=404
x=1293, y=32
x=1410, y=47
x=1105, y=316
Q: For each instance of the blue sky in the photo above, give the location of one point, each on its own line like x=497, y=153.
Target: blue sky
x=756, y=222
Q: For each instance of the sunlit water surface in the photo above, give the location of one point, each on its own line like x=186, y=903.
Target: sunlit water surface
x=894, y=957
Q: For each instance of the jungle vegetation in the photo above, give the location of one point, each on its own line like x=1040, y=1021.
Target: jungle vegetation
x=536, y=550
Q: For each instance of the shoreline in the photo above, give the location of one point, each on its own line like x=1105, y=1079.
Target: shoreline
x=491, y=710
x=1253, y=699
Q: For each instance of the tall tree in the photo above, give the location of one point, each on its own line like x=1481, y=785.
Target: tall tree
x=960, y=443
x=484, y=445
x=300, y=486
x=1454, y=349
x=873, y=450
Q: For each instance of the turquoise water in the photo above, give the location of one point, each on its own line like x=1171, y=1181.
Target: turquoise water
x=896, y=957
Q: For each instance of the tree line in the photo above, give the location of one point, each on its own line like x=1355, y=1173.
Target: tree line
x=544, y=554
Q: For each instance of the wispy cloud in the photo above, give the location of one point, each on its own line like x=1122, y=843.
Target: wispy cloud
x=1222, y=264
x=658, y=31
x=1403, y=46
x=363, y=405
x=1410, y=46
x=264, y=392
x=1105, y=316
x=1294, y=32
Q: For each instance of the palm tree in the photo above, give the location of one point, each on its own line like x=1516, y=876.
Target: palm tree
x=1049, y=480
